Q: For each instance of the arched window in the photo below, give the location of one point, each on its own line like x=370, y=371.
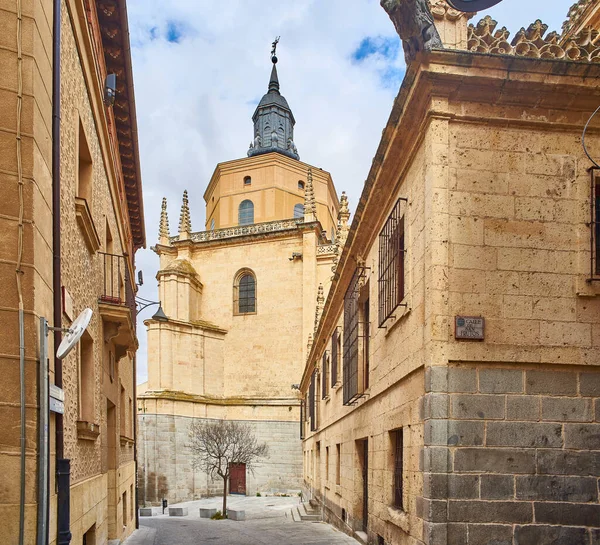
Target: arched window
x=301, y=185
x=244, y=293
x=247, y=180
x=246, y=213
x=299, y=211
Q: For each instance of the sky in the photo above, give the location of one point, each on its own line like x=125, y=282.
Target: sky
x=201, y=66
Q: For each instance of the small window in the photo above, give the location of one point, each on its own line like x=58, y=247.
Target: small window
x=299, y=211
x=336, y=349
x=84, y=168
x=124, y=508
x=87, y=380
x=595, y=224
x=325, y=370
x=247, y=180
x=123, y=413
x=312, y=402
x=398, y=454
x=338, y=463
x=245, y=293
x=326, y=464
x=246, y=213
x=300, y=185
x=132, y=499
x=212, y=224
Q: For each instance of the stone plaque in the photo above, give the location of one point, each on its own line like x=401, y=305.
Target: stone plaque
x=56, y=406
x=469, y=327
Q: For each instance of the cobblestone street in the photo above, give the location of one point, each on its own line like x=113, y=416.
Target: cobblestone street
x=268, y=521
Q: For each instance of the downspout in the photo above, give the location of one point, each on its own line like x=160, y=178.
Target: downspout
x=63, y=469
x=135, y=459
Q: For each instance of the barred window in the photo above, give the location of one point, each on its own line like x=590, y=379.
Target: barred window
x=325, y=370
x=398, y=450
x=244, y=293
x=302, y=409
x=246, y=213
x=354, y=379
x=298, y=211
x=595, y=226
x=391, y=264
x=336, y=342
x=312, y=402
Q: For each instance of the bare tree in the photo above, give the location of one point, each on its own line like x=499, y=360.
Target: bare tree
x=218, y=444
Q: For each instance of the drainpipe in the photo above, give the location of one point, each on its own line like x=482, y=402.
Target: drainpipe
x=63, y=466
x=135, y=457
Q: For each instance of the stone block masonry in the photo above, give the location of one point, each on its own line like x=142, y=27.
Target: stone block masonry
x=165, y=463
x=511, y=454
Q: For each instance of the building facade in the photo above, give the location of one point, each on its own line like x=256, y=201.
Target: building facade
x=72, y=218
x=452, y=389
x=240, y=298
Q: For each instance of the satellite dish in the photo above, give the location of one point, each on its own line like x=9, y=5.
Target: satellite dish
x=74, y=333
x=473, y=5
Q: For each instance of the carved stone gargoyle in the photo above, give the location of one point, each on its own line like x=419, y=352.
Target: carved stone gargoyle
x=414, y=24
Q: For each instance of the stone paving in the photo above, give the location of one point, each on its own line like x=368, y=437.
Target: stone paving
x=268, y=521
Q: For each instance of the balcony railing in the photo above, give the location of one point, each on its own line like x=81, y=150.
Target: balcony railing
x=117, y=288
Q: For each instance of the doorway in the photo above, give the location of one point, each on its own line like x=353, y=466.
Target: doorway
x=237, y=479
x=364, y=451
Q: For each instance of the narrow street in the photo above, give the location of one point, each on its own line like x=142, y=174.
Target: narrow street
x=268, y=521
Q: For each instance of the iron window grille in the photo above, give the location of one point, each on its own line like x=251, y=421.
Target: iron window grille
x=594, y=225
x=335, y=356
x=391, y=264
x=398, y=437
x=354, y=331
x=312, y=402
x=324, y=372
x=302, y=409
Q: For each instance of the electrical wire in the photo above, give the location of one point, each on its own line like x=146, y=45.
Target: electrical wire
x=583, y=137
x=19, y=270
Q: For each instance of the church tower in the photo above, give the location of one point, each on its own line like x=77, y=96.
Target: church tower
x=241, y=299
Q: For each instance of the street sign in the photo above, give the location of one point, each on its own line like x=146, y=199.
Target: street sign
x=469, y=327
x=472, y=5
x=56, y=406
x=57, y=399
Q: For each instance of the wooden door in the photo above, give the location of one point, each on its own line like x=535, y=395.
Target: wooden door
x=237, y=479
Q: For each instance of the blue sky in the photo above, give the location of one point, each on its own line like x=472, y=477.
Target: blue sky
x=200, y=67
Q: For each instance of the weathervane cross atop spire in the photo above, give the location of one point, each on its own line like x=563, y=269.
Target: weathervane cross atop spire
x=274, y=50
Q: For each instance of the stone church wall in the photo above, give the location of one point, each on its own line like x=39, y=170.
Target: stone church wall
x=165, y=462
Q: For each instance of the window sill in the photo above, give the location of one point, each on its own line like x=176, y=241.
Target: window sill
x=587, y=288
x=326, y=398
x=399, y=518
x=126, y=440
x=401, y=313
x=87, y=431
x=86, y=224
x=338, y=490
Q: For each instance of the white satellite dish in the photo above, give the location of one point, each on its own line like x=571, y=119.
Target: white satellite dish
x=74, y=333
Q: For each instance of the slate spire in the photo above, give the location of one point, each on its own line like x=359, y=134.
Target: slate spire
x=273, y=121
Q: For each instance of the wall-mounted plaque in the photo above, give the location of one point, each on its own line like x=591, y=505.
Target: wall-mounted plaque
x=469, y=327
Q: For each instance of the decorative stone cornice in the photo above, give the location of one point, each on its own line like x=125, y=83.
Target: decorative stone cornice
x=533, y=42
x=185, y=222
x=342, y=229
x=163, y=229
x=576, y=11
x=310, y=205
x=245, y=230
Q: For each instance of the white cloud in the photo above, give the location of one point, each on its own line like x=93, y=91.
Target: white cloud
x=195, y=94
